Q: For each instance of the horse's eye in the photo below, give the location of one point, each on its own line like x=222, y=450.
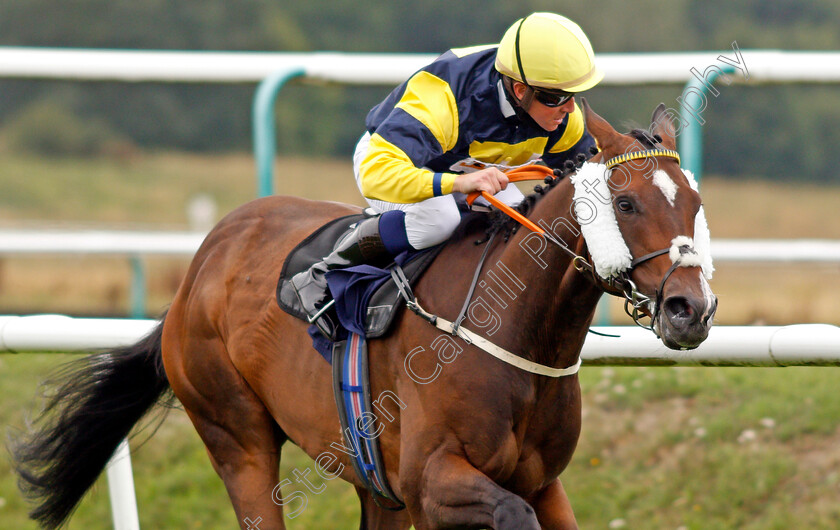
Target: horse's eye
x=624, y=205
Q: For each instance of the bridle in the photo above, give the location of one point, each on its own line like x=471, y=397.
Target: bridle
x=634, y=301
x=636, y=304
x=621, y=285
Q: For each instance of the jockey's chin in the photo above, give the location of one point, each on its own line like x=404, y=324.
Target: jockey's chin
x=549, y=118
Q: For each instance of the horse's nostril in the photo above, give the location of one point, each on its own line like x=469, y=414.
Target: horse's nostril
x=679, y=308
x=711, y=312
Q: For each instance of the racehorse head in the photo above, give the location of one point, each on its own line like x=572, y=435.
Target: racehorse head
x=659, y=257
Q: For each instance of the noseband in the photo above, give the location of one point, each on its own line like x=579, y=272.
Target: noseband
x=624, y=287
x=634, y=301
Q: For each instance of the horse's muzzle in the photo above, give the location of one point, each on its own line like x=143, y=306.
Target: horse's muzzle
x=684, y=322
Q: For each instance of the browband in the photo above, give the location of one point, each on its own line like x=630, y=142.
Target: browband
x=635, y=155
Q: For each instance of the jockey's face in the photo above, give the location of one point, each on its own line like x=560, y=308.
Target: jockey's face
x=549, y=118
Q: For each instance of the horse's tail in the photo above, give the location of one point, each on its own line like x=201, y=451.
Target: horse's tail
x=93, y=404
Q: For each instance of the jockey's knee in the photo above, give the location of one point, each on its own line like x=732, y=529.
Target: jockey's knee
x=432, y=221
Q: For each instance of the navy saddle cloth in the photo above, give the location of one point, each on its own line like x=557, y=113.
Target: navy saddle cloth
x=366, y=301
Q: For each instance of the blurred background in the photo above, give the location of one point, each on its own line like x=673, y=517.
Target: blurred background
x=777, y=132
x=662, y=448
x=145, y=155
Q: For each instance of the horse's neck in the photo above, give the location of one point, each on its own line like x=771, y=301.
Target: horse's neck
x=557, y=302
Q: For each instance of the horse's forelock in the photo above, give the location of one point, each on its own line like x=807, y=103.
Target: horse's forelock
x=645, y=138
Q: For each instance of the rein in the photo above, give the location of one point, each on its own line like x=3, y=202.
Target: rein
x=634, y=301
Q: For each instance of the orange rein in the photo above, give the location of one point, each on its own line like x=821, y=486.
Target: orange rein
x=518, y=174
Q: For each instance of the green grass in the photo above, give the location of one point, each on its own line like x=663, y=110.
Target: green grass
x=704, y=448
x=175, y=484
x=708, y=448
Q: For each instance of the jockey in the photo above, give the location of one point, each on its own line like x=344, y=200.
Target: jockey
x=453, y=128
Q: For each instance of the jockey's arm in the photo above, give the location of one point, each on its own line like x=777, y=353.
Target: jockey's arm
x=388, y=174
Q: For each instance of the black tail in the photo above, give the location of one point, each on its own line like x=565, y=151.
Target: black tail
x=93, y=404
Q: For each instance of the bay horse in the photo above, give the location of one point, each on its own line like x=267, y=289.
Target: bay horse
x=467, y=440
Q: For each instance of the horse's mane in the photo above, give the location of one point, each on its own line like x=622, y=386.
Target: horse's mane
x=497, y=222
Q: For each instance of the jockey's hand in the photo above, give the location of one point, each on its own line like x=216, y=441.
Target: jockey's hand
x=488, y=179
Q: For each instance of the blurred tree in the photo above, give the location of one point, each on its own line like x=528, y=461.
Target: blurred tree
x=46, y=128
x=750, y=130
x=199, y=117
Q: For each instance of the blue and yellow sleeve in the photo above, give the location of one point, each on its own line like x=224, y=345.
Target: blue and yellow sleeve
x=422, y=125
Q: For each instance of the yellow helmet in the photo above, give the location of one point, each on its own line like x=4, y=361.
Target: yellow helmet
x=548, y=51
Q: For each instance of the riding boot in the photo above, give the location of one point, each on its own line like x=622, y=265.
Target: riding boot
x=362, y=245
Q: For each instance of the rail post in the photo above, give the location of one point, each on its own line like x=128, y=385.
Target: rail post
x=691, y=139
x=121, y=490
x=263, y=122
x=138, y=287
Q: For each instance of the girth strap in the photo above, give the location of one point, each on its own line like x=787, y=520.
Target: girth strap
x=351, y=389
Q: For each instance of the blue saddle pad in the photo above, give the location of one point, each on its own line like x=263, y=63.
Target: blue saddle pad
x=353, y=289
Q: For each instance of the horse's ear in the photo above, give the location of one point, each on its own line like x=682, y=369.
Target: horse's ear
x=661, y=124
x=600, y=128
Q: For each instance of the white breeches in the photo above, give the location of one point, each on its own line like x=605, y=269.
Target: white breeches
x=432, y=221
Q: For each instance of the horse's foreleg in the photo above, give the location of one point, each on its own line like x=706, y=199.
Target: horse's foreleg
x=242, y=439
x=376, y=518
x=553, y=508
x=450, y=492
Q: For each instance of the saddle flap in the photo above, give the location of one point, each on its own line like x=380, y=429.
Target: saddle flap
x=382, y=303
x=386, y=300
x=310, y=251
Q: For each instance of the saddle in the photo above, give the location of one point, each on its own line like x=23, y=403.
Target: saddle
x=385, y=300
x=369, y=308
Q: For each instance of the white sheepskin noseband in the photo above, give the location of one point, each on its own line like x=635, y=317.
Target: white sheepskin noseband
x=610, y=255
x=702, y=237
x=594, y=211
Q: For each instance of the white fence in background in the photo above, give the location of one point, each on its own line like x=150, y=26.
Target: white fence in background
x=369, y=68
x=793, y=345
x=131, y=243
x=101, y=242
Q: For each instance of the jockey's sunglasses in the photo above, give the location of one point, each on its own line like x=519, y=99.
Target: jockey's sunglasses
x=552, y=99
